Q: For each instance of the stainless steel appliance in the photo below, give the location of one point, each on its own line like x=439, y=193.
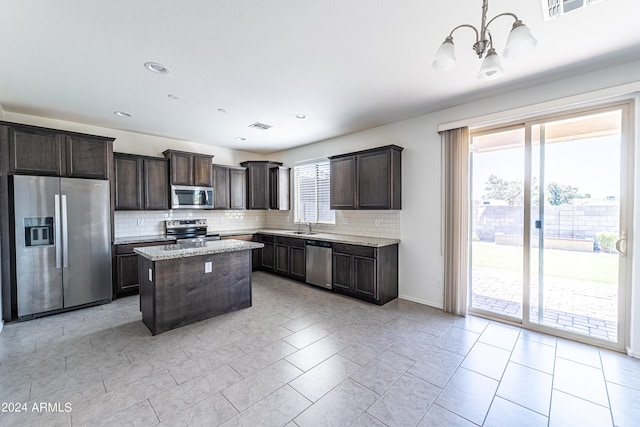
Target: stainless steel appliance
x=62, y=243
x=318, y=264
x=186, y=197
x=189, y=230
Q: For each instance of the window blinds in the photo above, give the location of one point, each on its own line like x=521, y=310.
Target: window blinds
x=311, y=186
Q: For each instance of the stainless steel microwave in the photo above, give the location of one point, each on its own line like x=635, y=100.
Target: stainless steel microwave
x=187, y=197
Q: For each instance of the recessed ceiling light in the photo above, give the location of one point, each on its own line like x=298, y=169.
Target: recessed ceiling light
x=173, y=96
x=301, y=116
x=221, y=110
x=239, y=138
x=122, y=114
x=156, y=67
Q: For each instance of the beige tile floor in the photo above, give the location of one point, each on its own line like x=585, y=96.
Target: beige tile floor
x=302, y=356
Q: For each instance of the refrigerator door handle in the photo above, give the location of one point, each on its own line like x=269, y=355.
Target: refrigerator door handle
x=65, y=235
x=58, y=231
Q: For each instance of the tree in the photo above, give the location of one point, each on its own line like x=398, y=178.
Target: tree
x=501, y=189
x=561, y=194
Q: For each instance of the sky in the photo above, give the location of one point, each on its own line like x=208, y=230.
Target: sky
x=592, y=165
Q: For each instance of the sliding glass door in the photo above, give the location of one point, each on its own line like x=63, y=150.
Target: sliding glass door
x=497, y=221
x=578, y=224
x=549, y=220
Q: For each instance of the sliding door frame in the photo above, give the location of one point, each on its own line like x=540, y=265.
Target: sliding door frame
x=627, y=168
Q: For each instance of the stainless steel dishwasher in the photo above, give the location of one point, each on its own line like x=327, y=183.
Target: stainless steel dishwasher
x=318, y=263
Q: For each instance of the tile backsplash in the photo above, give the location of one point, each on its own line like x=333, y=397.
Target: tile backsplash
x=147, y=223
x=385, y=224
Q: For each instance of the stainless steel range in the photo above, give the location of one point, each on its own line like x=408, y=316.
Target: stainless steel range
x=189, y=230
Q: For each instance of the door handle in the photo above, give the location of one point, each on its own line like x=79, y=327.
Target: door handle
x=65, y=235
x=58, y=231
x=623, y=238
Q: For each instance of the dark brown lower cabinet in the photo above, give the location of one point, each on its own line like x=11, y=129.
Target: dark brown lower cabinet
x=297, y=263
x=367, y=273
x=125, y=268
x=268, y=253
x=282, y=259
x=284, y=256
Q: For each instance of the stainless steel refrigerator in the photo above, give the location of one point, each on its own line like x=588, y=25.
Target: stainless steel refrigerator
x=62, y=243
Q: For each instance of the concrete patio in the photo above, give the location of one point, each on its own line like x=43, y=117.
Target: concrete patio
x=579, y=306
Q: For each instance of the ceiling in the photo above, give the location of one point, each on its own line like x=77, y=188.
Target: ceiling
x=346, y=65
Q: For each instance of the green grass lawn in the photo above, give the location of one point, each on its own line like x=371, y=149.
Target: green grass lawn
x=591, y=266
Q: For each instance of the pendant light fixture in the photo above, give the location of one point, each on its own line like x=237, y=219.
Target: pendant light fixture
x=519, y=42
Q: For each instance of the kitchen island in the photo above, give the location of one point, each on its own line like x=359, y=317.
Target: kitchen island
x=185, y=283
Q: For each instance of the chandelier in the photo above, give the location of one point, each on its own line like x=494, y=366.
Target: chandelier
x=519, y=42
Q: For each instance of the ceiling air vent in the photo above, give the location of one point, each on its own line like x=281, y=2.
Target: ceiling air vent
x=261, y=126
x=554, y=8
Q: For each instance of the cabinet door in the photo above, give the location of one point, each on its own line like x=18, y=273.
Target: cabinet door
x=181, y=169
x=127, y=271
x=273, y=188
x=237, y=188
x=297, y=263
x=268, y=256
x=156, y=183
x=202, y=172
x=258, y=186
x=282, y=259
x=221, y=187
x=35, y=152
x=374, y=180
x=343, y=183
x=128, y=193
x=279, y=188
x=364, y=277
x=87, y=157
x=342, y=272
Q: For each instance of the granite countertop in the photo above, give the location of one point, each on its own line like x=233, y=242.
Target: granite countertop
x=164, y=252
x=335, y=238
x=326, y=237
x=142, y=239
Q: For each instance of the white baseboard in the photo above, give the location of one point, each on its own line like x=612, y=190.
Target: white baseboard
x=421, y=301
x=631, y=353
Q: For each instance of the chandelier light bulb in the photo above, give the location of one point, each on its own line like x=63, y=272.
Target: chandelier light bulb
x=445, y=56
x=520, y=41
x=491, y=67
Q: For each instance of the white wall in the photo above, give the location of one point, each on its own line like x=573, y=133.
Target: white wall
x=420, y=252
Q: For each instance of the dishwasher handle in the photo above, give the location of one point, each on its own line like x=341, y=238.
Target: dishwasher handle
x=318, y=243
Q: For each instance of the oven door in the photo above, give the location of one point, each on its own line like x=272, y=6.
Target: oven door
x=183, y=197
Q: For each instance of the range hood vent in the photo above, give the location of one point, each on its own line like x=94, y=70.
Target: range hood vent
x=554, y=8
x=261, y=126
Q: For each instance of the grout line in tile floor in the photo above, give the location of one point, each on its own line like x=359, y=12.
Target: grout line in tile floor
x=340, y=329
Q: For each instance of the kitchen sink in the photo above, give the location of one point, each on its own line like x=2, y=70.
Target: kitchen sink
x=304, y=233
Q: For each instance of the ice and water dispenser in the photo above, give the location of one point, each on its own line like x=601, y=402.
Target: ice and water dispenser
x=38, y=231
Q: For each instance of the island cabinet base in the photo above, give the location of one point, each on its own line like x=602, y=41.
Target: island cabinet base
x=177, y=292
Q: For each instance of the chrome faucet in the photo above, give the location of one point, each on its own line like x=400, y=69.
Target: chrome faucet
x=310, y=230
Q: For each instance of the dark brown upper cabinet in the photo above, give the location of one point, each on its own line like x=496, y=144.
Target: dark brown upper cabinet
x=155, y=182
x=369, y=179
x=140, y=182
x=41, y=151
x=238, y=187
x=190, y=168
x=229, y=187
x=263, y=189
x=279, y=188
